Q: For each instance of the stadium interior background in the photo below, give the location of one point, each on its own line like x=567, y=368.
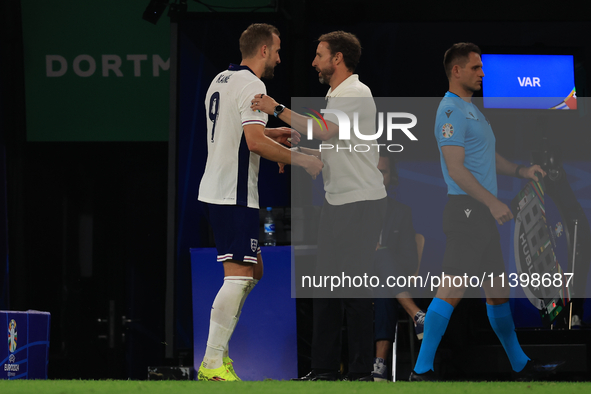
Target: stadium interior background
x=97, y=230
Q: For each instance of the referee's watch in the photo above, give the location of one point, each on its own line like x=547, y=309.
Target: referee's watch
x=278, y=110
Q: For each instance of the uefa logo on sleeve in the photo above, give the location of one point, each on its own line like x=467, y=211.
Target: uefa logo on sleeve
x=447, y=130
x=12, y=336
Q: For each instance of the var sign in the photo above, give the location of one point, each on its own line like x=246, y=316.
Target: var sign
x=527, y=81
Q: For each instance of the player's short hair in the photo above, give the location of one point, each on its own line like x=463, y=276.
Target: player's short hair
x=254, y=37
x=346, y=43
x=458, y=54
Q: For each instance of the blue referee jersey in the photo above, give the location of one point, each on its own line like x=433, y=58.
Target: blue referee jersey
x=460, y=123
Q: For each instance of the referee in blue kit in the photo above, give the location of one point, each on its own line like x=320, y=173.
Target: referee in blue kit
x=470, y=165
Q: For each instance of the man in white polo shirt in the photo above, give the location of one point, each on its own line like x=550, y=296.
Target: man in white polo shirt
x=354, y=206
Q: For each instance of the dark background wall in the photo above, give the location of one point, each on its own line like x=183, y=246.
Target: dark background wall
x=107, y=302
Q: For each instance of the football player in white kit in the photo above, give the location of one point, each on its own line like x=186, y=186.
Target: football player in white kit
x=236, y=139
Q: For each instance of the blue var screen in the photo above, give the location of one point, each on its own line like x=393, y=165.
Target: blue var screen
x=529, y=81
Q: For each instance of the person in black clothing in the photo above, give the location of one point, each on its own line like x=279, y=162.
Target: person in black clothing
x=396, y=255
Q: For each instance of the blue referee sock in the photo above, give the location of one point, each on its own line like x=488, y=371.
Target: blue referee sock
x=501, y=320
x=436, y=320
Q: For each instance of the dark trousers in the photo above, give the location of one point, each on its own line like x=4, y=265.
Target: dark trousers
x=347, y=239
x=328, y=322
x=386, y=318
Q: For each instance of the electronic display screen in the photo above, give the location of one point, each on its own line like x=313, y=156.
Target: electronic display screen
x=529, y=81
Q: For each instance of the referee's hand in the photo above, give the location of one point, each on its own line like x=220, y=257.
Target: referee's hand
x=530, y=172
x=500, y=212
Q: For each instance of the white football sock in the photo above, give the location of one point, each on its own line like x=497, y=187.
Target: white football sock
x=224, y=311
x=227, y=347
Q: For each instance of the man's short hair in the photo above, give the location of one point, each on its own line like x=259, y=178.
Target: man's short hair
x=346, y=43
x=255, y=36
x=458, y=54
x=394, y=181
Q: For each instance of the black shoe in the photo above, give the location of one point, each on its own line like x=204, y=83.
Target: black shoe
x=428, y=376
x=312, y=376
x=359, y=377
x=536, y=371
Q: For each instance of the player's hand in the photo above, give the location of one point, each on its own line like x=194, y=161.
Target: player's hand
x=264, y=103
x=530, y=172
x=312, y=165
x=500, y=212
x=284, y=135
x=281, y=167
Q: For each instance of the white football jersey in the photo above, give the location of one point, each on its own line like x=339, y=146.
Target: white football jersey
x=231, y=173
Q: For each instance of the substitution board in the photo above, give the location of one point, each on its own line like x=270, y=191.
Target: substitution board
x=539, y=273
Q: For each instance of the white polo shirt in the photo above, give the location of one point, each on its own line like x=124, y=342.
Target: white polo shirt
x=232, y=170
x=350, y=174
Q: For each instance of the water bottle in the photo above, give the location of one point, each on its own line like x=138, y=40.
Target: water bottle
x=269, y=237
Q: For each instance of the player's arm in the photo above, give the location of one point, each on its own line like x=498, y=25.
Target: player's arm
x=265, y=147
x=454, y=160
x=283, y=135
x=306, y=151
x=267, y=104
x=505, y=167
x=309, y=151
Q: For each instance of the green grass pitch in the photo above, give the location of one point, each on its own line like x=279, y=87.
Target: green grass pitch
x=274, y=387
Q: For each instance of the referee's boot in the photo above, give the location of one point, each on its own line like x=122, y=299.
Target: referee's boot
x=537, y=371
x=428, y=376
